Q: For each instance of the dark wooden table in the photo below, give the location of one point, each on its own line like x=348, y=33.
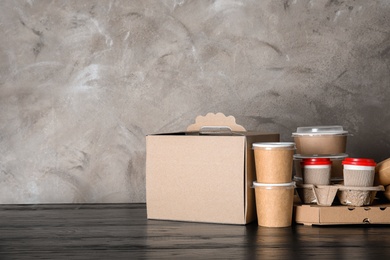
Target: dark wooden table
x=121, y=231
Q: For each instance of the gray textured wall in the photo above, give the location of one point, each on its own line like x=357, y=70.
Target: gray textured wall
x=83, y=82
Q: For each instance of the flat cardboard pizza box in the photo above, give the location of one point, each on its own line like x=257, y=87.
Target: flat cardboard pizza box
x=341, y=215
x=204, y=174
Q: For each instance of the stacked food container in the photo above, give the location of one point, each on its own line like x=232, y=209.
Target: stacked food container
x=324, y=170
x=274, y=188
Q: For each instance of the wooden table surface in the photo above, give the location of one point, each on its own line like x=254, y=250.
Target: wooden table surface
x=121, y=231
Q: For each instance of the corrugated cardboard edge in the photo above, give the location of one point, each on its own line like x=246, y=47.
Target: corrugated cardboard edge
x=305, y=214
x=247, y=214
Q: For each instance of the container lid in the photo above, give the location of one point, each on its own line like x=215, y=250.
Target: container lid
x=299, y=180
x=260, y=184
x=359, y=162
x=339, y=156
x=271, y=145
x=316, y=161
x=320, y=130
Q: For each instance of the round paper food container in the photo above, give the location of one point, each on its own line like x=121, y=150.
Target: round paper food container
x=320, y=140
x=274, y=203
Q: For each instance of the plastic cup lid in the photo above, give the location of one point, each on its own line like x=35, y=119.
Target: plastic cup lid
x=316, y=161
x=274, y=145
x=320, y=130
x=287, y=184
x=359, y=162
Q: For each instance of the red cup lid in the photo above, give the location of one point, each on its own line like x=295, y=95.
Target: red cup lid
x=316, y=161
x=359, y=161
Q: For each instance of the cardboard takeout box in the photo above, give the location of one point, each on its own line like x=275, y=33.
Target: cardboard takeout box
x=341, y=215
x=204, y=174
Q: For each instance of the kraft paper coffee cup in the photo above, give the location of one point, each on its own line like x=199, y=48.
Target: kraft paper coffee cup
x=336, y=174
x=316, y=171
x=359, y=172
x=274, y=161
x=274, y=204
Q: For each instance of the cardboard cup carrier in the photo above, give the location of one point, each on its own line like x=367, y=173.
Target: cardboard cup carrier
x=274, y=204
x=274, y=161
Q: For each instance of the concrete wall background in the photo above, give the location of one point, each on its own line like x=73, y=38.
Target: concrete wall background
x=83, y=82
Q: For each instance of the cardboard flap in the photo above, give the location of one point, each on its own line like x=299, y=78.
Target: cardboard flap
x=215, y=123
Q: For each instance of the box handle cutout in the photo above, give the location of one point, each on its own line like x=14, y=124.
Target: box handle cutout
x=367, y=209
x=350, y=209
x=366, y=221
x=204, y=130
x=383, y=208
x=215, y=120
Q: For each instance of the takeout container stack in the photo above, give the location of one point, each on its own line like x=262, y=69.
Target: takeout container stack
x=321, y=142
x=320, y=150
x=324, y=169
x=274, y=188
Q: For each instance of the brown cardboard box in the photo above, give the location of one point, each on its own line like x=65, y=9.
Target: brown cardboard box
x=340, y=214
x=203, y=175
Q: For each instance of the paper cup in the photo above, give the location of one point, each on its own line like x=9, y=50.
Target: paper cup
x=274, y=204
x=359, y=172
x=336, y=175
x=316, y=171
x=274, y=161
x=317, y=174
